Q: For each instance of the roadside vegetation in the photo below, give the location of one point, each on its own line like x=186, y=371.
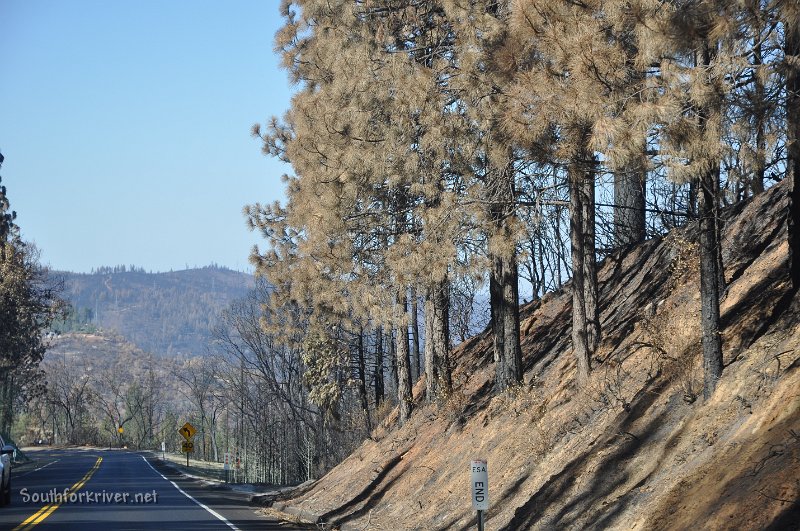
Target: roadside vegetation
x=29, y=301
x=443, y=150
x=452, y=161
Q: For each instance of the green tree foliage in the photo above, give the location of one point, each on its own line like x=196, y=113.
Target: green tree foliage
x=75, y=320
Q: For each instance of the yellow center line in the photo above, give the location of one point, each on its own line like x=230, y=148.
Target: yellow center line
x=47, y=510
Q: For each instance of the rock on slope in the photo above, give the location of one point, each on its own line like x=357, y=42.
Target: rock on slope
x=637, y=448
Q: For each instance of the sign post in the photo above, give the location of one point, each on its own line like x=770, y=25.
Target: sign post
x=187, y=431
x=236, y=476
x=163, y=450
x=227, y=466
x=479, y=479
x=187, y=447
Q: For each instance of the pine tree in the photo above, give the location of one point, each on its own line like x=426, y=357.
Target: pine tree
x=583, y=291
x=486, y=65
x=790, y=15
x=703, y=41
x=569, y=100
x=353, y=139
x=7, y=216
x=418, y=39
x=405, y=399
x=709, y=246
x=29, y=302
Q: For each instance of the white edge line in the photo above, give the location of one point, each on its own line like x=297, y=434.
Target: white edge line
x=210, y=510
x=35, y=470
x=47, y=465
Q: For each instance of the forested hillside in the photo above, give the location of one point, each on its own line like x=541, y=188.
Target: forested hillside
x=95, y=383
x=629, y=166
x=594, y=155
x=162, y=313
x=636, y=446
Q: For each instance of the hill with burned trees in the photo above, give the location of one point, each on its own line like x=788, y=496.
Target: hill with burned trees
x=634, y=167
x=164, y=313
x=637, y=446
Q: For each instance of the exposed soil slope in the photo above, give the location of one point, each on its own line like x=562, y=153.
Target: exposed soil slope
x=638, y=448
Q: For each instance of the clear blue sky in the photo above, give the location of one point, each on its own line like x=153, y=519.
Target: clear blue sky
x=126, y=128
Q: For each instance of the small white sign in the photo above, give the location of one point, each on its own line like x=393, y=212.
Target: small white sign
x=163, y=446
x=479, y=478
x=227, y=461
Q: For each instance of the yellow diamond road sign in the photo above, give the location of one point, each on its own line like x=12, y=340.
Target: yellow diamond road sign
x=188, y=431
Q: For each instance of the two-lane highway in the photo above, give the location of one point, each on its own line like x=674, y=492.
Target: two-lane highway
x=117, y=490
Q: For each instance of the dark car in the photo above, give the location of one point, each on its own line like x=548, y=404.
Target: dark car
x=6, y=451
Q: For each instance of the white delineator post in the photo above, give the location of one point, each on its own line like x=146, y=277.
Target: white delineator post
x=479, y=478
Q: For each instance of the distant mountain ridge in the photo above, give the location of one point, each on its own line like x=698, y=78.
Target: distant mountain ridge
x=168, y=314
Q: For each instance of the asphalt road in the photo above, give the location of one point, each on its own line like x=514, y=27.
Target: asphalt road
x=119, y=490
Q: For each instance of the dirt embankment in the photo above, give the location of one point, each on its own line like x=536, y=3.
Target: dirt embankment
x=637, y=448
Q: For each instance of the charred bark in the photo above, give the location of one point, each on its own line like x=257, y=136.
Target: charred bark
x=760, y=112
x=709, y=263
x=392, y=341
x=629, y=205
x=709, y=287
x=504, y=294
x=504, y=280
x=362, y=381
x=580, y=343
x=416, y=363
x=792, y=53
x=585, y=322
x=379, y=385
x=438, y=379
x=590, y=259
x=495, y=308
x=404, y=397
x=513, y=349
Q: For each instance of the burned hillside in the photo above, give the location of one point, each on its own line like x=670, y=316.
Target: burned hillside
x=638, y=447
